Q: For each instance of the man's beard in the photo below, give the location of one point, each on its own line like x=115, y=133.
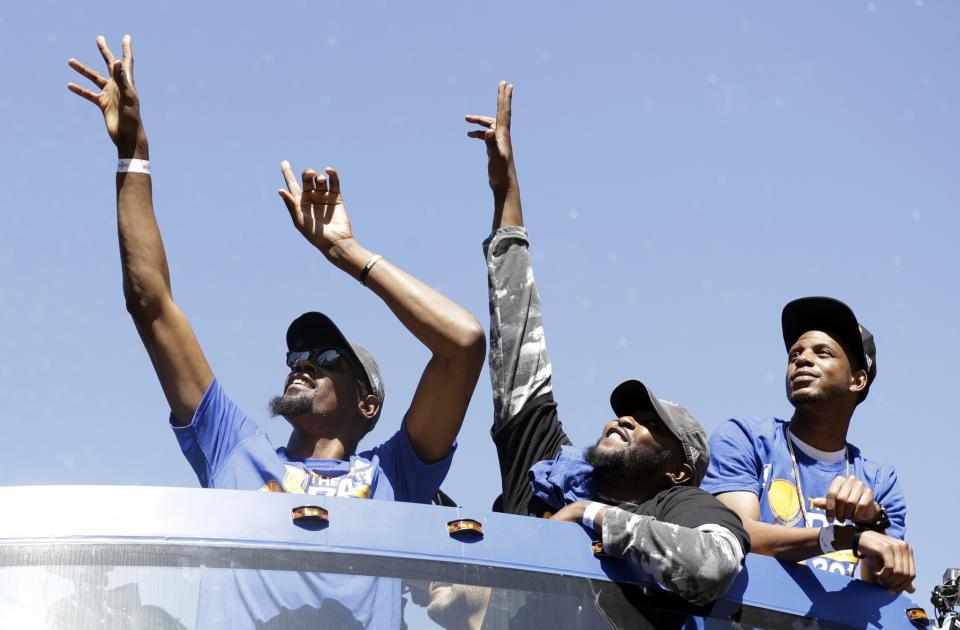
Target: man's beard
x=625, y=465
x=820, y=396
x=290, y=407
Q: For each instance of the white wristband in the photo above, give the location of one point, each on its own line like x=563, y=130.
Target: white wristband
x=133, y=166
x=590, y=513
x=826, y=539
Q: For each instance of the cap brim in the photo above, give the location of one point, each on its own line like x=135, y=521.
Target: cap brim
x=314, y=331
x=631, y=395
x=821, y=313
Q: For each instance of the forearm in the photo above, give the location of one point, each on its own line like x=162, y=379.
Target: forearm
x=442, y=325
x=506, y=201
x=146, y=278
x=792, y=544
x=697, y=564
x=520, y=367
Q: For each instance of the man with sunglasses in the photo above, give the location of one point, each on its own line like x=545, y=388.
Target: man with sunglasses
x=333, y=393
x=637, y=487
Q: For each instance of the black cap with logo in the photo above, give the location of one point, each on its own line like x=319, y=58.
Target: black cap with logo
x=837, y=319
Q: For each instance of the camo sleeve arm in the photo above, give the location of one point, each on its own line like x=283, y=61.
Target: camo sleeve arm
x=519, y=366
x=698, y=564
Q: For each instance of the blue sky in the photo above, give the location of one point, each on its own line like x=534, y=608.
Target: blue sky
x=687, y=168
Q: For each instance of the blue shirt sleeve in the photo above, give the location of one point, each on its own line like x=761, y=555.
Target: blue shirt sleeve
x=413, y=480
x=217, y=428
x=888, y=493
x=735, y=465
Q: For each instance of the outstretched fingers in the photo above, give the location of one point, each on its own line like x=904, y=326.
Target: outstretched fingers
x=85, y=93
x=291, y=194
x=504, y=98
x=93, y=75
x=485, y=121
x=128, y=56
x=108, y=56
x=490, y=125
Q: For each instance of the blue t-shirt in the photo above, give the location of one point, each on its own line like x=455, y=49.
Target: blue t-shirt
x=229, y=450
x=751, y=455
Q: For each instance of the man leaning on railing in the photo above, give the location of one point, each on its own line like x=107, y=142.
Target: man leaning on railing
x=637, y=486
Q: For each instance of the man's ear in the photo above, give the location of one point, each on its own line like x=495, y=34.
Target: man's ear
x=858, y=381
x=680, y=474
x=368, y=406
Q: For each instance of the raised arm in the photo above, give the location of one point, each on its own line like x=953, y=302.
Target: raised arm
x=525, y=425
x=173, y=348
x=451, y=333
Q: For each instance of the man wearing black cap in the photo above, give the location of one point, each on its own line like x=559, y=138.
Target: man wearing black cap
x=332, y=393
x=637, y=486
x=804, y=492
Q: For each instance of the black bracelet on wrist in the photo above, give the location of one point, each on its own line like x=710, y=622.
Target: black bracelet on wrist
x=855, y=544
x=366, y=270
x=880, y=525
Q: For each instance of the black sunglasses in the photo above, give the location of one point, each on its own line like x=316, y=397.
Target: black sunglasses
x=321, y=358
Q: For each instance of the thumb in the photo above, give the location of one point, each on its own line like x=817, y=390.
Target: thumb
x=819, y=503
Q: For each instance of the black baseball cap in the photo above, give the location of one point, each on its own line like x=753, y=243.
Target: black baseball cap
x=631, y=395
x=836, y=318
x=314, y=331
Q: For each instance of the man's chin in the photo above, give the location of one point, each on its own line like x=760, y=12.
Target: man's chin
x=805, y=397
x=291, y=405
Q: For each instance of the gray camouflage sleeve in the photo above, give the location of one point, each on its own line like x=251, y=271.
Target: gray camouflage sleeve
x=696, y=564
x=519, y=366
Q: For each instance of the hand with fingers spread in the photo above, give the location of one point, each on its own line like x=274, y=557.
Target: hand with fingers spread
x=117, y=100
x=501, y=169
x=891, y=561
x=849, y=499
x=317, y=210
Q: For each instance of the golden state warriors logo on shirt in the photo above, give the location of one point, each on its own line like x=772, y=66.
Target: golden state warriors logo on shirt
x=356, y=483
x=784, y=502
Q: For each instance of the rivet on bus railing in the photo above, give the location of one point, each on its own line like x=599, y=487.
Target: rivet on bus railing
x=465, y=529
x=310, y=516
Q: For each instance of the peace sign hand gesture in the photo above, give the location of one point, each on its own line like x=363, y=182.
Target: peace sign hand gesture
x=317, y=210
x=117, y=100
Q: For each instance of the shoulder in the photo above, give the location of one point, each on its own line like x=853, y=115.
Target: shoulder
x=877, y=474
x=746, y=432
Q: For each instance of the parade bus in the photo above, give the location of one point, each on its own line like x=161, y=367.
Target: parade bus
x=125, y=557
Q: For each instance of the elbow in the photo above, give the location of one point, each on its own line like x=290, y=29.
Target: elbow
x=145, y=295
x=142, y=306
x=467, y=342
x=709, y=589
x=143, y=310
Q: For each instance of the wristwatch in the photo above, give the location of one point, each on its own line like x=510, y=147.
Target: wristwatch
x=880, y=525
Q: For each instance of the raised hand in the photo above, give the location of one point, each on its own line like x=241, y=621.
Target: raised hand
x=317, y=210
x=496, y=135
x=117, y=100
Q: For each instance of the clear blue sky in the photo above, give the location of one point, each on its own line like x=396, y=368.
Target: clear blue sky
x=687, y=168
